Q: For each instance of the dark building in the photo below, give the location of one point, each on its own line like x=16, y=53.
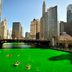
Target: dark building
x=69, y=13
x=16, y=30
x=62, y=27
x=27, y=35
x=68, y=25
x=68, y=28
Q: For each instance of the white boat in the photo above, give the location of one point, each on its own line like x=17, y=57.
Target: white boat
x=17, y=63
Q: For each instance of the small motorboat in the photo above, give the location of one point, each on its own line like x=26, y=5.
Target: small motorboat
x=16, y=64
x=28, y=67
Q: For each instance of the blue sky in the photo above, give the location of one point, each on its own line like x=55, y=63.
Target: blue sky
x=25, y=11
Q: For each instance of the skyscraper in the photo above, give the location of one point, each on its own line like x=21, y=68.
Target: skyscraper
x=21, y=32
x=0, y=9
x=43, y=8
x=3, y=29
x=34, y=29
x=48, y=23
x=43, y=22
x=52, y=22
x=68, y=25
x=9, y=34
x=27, y=35
x=43, y=26
x=17, y=30
x=69, y=13
x=62, y=26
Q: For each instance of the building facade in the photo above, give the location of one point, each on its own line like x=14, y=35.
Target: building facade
x=27, y=35
x=35, y=29
x=43, y=26
x=52, y=22
x=62, y=26
x=48, y=23
x=43, y=8
x=16, y=30
x=3, y=29
x=69, y=13
x=43, y=23
x=9, y=33
x=68, y=25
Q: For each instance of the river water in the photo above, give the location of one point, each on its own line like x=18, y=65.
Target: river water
x=17, y=45
x=23, y=45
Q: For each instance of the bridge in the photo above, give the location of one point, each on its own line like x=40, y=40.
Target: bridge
x=35, y=42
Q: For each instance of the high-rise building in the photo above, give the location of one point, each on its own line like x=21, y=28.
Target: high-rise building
x=16, y=30
x=43, y=8
x=62, y=26
x=9, y=34
x=43, y=22
x=48, y=23
x=69, y=13
x=35, y=29
x=52, y=22
x=3, y=29
x=0, y=9
x=27, y=35
x=43, y=26
x=68, y=25
x=58, y=28
x=21, y=32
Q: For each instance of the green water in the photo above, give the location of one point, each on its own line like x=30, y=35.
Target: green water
x=41, y=60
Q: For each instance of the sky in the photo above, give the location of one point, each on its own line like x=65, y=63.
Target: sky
x=25, y=11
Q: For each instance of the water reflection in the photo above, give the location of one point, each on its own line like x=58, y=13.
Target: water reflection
x=16, y=45
x=22, y=45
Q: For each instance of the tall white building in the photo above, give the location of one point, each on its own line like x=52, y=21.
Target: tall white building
x=3, y=29
x=9, y=33
x=43, y=23
x=43, y=26
x=48, y=23
x=0, y=8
